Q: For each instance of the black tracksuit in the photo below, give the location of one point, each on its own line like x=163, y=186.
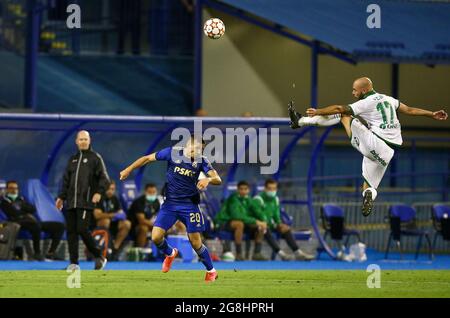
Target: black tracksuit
x=85, y=175
x=20, y=211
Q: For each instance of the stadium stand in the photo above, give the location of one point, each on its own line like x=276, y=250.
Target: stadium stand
x=414, y=31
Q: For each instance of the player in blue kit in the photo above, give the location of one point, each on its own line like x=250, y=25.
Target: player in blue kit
x=184, y=165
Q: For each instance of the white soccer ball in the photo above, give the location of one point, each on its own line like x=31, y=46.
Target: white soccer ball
x=214, y=28
x=228, y=257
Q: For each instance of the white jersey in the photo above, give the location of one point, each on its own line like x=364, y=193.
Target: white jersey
x=380, y=113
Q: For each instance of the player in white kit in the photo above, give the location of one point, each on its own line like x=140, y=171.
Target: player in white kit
x=372, y=126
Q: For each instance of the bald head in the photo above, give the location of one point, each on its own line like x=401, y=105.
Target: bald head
x=362, y=86
x=83, y=140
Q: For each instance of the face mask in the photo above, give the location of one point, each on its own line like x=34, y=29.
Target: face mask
x=13, y=196
x=150, y=197
x=271, y=194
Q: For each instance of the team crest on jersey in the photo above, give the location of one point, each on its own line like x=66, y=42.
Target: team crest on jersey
x=194, y=164
x=85, y=160
x=177, y=161
x=356, y=140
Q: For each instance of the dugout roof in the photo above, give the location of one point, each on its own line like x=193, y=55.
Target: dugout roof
x=411, y=31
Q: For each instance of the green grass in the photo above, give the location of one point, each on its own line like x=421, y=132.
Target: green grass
x=290, y=283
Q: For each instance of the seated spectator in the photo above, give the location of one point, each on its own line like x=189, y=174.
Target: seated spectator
x=267, y=206
x=143, y=212
x=18, y=210
x=109, y=214
x=236, y=216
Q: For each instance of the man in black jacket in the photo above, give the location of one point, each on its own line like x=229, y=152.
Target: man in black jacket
x=18, y=210
x=85, y=181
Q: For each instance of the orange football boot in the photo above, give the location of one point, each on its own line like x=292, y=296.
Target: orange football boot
x=211, y=277
x=168, y=261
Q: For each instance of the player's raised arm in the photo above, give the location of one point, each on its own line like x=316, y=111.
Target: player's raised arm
x=413, y=111
x=137, y=164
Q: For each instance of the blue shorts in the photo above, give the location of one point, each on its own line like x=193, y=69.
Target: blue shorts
x=189, y=214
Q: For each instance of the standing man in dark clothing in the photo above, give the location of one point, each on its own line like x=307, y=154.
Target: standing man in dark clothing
x=18, y=210
x=85, y=181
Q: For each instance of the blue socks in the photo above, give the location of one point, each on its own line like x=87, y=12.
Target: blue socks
x=202, y=253
x=165, y=248
x=205, y=258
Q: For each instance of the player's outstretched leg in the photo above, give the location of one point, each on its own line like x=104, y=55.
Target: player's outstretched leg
x=298, y=121
x=203, y=254
x=161, y=243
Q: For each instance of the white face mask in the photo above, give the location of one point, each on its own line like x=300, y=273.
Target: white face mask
x=13, y=196
x=271, y=194
x=150, y=197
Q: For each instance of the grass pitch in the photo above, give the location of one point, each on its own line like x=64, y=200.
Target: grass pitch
x=246, y=283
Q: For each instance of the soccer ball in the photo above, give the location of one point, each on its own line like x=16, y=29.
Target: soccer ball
x=228, y=257
x=214, y=28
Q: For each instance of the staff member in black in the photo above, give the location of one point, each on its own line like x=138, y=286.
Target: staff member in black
x=85, y=180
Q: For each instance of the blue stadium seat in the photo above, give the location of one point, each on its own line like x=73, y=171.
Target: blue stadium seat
x=231, y=187
x=41, y=198
x=402, y=219
x=439, y=212
x=331, y=210
x=128, y=193
x=257, y=188
x=332, y=219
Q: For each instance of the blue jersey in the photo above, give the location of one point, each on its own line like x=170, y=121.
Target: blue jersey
x=182, y=176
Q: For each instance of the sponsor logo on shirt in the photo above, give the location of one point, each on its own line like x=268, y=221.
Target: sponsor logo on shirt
x=184, y=171
x=389, y=126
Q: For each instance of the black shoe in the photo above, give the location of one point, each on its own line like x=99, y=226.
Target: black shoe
x=293, y=115
x=100, y=263
x=367, y=204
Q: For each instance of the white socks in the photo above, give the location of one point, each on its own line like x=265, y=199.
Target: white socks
x=374, y=193
x=329, y=120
